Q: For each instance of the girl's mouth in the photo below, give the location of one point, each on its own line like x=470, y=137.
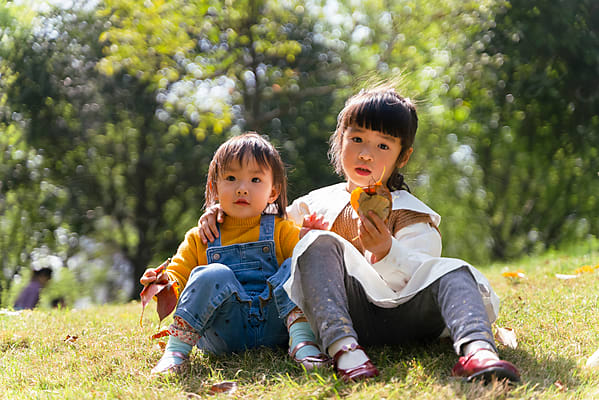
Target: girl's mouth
x=362, y=171
x=242, y=202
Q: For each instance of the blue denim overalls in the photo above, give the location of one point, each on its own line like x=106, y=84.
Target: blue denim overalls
x=237, y=301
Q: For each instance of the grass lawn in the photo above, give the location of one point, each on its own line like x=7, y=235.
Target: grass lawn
x=103, y=353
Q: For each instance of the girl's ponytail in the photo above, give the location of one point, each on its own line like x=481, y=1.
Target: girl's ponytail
x=397, y=182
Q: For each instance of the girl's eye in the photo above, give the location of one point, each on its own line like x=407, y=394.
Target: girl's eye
x=356, y=139
x=383, y=146
x=256, y=180
x=230, y=178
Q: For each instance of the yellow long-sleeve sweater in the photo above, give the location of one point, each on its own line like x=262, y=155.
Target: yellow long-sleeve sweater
x=192, y=252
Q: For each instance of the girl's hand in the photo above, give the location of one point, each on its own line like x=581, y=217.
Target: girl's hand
x=374, y=235
x=313, y=222
x=154, y=275
x=207, y=223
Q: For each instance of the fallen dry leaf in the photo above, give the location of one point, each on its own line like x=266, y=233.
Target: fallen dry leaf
x=516, y=274
x=161, y=344
x=166, y=294
x=160, y=334
x=593, y=360
x=584, y=269
x=223, y=387
x=70, y=339
x=560, y=386
x=506, y=337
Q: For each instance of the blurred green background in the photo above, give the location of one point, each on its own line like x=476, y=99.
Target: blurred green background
x=111, y=110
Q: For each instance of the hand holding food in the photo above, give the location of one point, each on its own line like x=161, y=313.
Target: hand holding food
x=375, y=198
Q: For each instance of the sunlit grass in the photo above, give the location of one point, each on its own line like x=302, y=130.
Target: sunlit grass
x=102, y=352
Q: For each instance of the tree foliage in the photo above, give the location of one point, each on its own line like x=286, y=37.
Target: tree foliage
x=536, y=111
x=109, y=115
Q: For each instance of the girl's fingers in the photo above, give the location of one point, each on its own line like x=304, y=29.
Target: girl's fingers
x=205, y=234
x=367, y=225
x=162, y=278
x=374, y=224
x=208, y=229
x=203, y=237
x=377, y=222
x=212, y=229
x=207, y=223
x=369, y=231
x=319, y=221
x=215, y=216
x=148, y=277
x=220, y=218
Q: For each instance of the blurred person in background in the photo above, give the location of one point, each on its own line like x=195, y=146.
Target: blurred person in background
x=30, y=296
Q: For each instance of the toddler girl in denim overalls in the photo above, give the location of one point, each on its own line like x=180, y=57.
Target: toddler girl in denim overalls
x=231, y=295
x=237, y=309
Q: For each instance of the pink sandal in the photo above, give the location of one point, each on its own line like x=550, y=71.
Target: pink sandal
x=166, y=366
x=310, y=362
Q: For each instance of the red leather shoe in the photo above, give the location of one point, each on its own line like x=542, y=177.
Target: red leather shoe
x=363, y=371
x=310, y=362
x=473, y=367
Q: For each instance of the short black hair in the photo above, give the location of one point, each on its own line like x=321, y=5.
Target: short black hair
x=249, y=145
x=380, y=109
x=43, y=272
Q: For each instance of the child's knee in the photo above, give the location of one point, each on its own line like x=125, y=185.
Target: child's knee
x=216, y=275
x=324, y=244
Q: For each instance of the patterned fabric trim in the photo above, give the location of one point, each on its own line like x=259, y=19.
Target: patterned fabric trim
x=183, y=331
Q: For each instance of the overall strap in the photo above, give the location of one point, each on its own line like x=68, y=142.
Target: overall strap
x=267, y=227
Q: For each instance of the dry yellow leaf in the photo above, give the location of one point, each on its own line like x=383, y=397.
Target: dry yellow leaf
x=584, y=269
x=223, y=387
x=516, y=274
x=560, y=386
x=506, y=337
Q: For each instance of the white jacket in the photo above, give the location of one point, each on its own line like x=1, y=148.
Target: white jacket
x=413, y=262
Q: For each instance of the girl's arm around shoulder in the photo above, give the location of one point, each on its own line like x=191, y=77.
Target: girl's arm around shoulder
x=287, y=233
x=410, y=247
x=327, y=201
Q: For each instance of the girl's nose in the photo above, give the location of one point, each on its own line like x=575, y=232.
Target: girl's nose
x=365, y=155
x=241, y=191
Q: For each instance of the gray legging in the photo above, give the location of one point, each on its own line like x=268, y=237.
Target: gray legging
x=336, y=305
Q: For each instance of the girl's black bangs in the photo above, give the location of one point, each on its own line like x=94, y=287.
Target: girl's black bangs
x=379, y=114
x=246, y=150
